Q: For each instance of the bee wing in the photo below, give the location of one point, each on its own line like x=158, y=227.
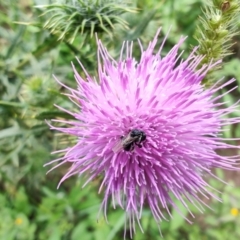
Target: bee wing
x=118, y=147
x=123, y=143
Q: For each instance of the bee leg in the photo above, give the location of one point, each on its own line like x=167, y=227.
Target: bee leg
x=139, y=145
x=131, y=148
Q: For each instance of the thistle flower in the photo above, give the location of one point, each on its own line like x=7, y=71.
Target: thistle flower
x=149, y=128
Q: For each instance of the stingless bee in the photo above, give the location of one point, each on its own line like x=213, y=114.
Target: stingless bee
x=134, y=138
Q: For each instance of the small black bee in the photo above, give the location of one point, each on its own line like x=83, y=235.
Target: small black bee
x=127, y=143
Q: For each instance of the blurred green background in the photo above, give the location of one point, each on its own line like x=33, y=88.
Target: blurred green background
x=31, y=206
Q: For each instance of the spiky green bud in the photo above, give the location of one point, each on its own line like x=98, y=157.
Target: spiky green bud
x=215, y=21
x=84, y=16
x=35, y=91
x=215, y=32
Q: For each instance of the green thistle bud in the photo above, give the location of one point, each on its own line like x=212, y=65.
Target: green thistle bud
x=215, y=32
x=208, y=43
x=210, y=34
x=225, y=6
x=221, y=33
x=84, y=16
x=35, y=92
x=234, y=6
x=217, y=3
x=216, y=20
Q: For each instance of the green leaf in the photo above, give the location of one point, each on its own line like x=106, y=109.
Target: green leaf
x=12, y=104
x=12, y=131
x=55, y=234
x=79, y=231
x=117, y=226
x=16, y=41
x=53, y=114
x=177, y=220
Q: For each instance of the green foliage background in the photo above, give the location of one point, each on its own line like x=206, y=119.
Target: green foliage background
x=31, y=206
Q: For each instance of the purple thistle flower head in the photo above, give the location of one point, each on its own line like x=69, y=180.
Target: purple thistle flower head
x=149, y=128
